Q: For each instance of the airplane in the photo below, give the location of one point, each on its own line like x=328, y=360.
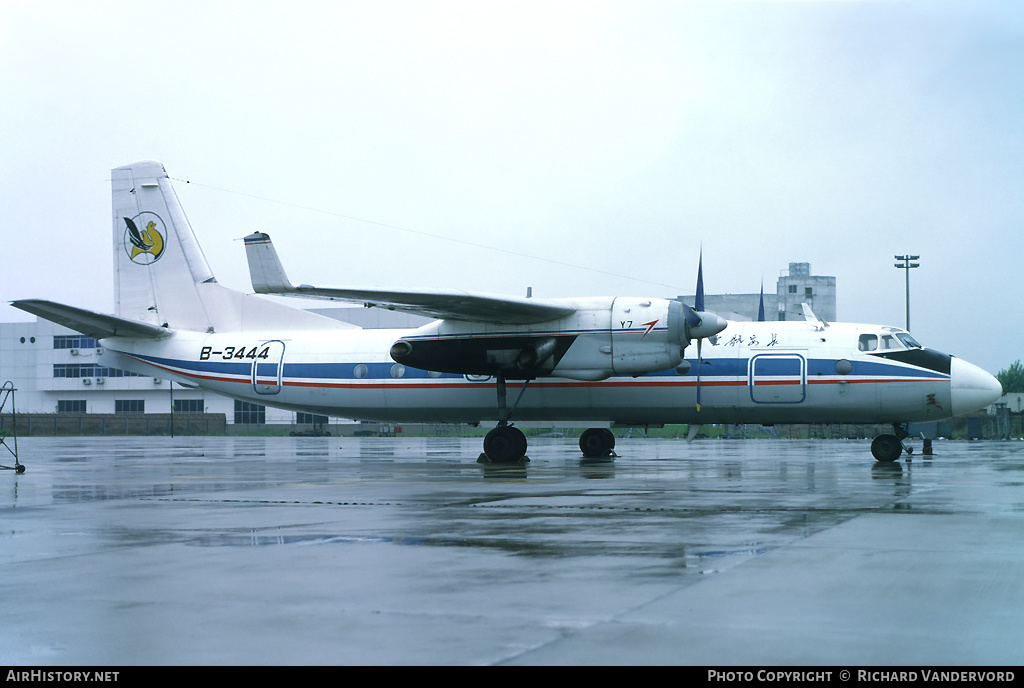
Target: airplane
x=626, y=361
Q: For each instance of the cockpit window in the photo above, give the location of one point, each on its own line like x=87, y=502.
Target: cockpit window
x=887, y=342
x=908, y=340
x=898, y=340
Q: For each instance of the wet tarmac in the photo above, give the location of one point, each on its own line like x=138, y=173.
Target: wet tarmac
x=230, y=550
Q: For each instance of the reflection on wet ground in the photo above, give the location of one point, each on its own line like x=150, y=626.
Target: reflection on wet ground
x=394, y=550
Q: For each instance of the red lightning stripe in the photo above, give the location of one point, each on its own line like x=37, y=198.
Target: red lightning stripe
x=650, y=326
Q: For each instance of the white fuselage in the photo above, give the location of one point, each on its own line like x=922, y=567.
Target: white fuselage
x=754, y=372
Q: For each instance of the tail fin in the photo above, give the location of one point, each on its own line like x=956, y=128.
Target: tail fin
x=158, y=263
x=161, y=276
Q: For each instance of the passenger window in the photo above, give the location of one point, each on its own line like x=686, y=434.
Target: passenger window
x=889, y=342
x=868, y=342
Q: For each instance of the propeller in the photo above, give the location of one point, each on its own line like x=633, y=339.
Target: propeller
x=698, y=302
x=700, y=323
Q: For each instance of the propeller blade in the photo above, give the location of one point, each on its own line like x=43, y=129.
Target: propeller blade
x=760, y=308
x=698, y=299
x=693, y=432
x=693, y=319
x=700, y=361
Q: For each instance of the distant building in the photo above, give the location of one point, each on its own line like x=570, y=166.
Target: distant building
x=792, y=290
x=57, y=370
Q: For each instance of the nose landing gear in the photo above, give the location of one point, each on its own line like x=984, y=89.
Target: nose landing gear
x=888, y=448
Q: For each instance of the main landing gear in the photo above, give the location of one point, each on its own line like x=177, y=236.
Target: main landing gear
x=596, y=443
x=888, y=448
x=507, y=444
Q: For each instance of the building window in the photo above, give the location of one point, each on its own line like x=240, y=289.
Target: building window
x=129, y=406
x=792, y=289
x=808, y=291
x=74, y=341
x=88, y=370
x=309, y=419
x=188, y=406
x=250, y=414
x=71, y=406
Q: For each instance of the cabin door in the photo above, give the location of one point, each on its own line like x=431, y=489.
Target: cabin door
x=267, y=367
x=778, y=379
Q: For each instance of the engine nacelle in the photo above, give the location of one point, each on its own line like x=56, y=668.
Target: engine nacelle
x=603, y=337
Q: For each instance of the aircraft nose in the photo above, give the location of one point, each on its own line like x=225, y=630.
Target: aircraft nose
x=971, y=388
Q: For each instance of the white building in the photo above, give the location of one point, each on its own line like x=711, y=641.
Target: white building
x=57, y=370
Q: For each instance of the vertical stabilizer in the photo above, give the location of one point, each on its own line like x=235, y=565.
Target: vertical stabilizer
x=158, y=264
x=161, y=276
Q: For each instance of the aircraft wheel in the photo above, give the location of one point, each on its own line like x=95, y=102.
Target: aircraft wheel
x=505, y=444
x=886, y=448
x=597, y=442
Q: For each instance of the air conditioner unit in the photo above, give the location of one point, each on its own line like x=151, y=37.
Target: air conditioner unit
x=86, y=381
x=99, y=352
x=156, y=381
x=74, y=352
x=100, y=380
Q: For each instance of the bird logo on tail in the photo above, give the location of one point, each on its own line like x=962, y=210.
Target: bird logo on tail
x=147, y=245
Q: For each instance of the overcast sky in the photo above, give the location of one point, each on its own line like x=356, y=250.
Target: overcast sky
x=581, y=148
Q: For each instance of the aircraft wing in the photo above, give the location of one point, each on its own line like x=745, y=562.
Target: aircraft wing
x=268, y=277
x=91, y=323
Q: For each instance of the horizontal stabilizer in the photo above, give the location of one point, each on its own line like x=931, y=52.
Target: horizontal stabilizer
x=91, y=323
x=268, y=277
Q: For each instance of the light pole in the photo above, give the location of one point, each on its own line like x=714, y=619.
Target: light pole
x=906, y=265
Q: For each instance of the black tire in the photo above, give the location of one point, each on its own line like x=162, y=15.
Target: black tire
x=597, y=442
x=505, y=445
x=886, y=448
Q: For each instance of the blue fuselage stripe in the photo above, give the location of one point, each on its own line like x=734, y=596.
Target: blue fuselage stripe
x=712, y=368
